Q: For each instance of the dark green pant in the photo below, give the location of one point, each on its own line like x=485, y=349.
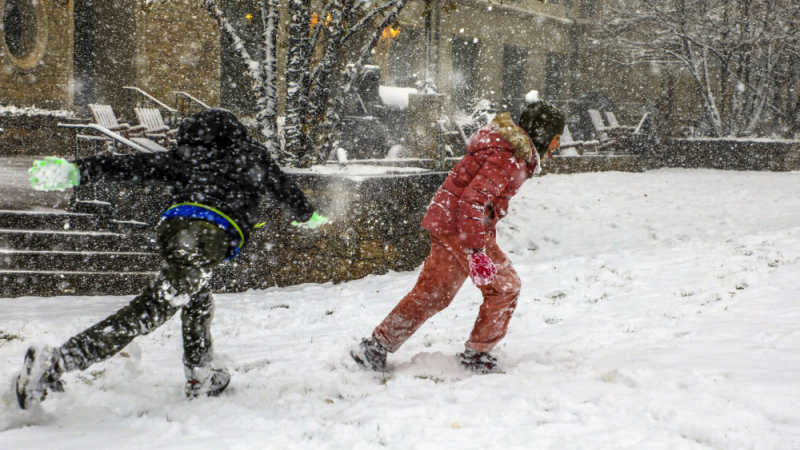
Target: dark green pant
x=191, y=249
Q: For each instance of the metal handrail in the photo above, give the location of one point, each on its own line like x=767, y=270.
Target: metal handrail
x=114, y=136
x=151, y=99
x=137, y=98
x=186, y=104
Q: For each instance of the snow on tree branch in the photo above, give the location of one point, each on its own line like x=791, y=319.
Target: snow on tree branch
x=741, y=54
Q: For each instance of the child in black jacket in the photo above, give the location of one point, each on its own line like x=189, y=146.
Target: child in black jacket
x=219, y=178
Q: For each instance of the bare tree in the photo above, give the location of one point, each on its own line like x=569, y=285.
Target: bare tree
x=316, y=68
x=740, y=54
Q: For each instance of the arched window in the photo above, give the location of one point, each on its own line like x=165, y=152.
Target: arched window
x=24, y=32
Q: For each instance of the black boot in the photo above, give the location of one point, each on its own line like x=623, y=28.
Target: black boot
x=370, y=354
x=41, y=373
x=479, y=362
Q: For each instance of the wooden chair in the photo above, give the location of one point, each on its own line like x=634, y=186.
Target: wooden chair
x=615, y=129
x=600, y=128
x=155, y=128
x=643, y=122
x=104, y=116
x=570, y=147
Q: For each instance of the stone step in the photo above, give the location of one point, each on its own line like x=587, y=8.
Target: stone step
x=50, y=240
x=24, y=283
x=48, y=220
x=65, y=221
x=79, y=261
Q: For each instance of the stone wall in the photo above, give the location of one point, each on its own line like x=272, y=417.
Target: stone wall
x=563, y=165
x=36, y=136
x=177, y=49
x=44, y=77
x=374, y=228
x=729, y=154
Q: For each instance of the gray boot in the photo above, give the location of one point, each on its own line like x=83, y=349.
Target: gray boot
x=205, y=381
x=41, y=373
x=370, y=354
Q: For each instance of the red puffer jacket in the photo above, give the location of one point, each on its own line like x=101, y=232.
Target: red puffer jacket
x=500, y=158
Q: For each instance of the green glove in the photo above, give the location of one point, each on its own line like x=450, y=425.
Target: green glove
x=315, y=221
x=54, y=174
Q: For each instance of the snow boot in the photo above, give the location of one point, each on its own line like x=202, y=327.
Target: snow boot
x=479, y=362
x=41, y=373
x=370, y=354
x=205, y=381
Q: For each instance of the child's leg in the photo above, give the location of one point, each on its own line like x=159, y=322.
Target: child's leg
x=441, y=277
x=145, y=313
x=191, y=249
x=196, y=317
x=499, y=302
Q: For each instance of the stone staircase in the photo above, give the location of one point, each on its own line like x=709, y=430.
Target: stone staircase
x=53, y=252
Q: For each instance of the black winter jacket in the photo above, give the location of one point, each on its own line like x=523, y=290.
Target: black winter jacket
x=215, y=164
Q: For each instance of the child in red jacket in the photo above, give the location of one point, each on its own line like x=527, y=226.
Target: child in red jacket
x=461, y=220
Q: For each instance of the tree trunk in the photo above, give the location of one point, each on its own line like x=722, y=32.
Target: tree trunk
x=268, y=95
x=297, y=78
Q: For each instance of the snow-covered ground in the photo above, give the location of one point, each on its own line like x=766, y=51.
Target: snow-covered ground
x=659, y=311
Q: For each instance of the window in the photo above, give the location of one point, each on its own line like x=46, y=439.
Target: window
x=465, y=72
x=588, y=9
x=24, y=31
x=515, y=60
x=403, y=58
x=554, y=79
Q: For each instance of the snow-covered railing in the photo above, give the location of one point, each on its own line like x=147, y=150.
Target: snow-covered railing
x=110, y=135
x=188, y=105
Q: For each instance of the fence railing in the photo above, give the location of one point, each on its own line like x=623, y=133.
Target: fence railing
x=138, y=98
x=188, y=105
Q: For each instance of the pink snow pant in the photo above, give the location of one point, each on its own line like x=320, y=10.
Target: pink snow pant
x=443, y=273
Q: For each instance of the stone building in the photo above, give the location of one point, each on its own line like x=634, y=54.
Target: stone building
x=64, y=54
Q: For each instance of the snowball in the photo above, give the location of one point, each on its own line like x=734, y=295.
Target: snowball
x=532, y=97
x=51, y=177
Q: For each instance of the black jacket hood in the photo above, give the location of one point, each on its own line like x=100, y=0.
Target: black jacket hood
x=211, y=134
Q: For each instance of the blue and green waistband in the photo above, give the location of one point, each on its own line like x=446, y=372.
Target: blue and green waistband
x=213, y=215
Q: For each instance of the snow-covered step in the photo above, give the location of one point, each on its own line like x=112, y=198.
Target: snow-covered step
x=16, y=239
x=19, y=283
x=64, y=221
x=91, y=261
x=48, y=220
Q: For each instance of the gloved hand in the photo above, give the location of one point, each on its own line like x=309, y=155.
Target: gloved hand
x=54, y=174
x=481, y=268
x=315, y=221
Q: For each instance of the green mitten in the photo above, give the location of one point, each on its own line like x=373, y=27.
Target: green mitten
x=54, y=174
x=315, y=221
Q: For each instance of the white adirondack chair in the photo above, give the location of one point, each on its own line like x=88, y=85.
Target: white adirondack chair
x=104, y=116
x=570, y=147
x=615, y=129
x=600, y=128
x=155, y=128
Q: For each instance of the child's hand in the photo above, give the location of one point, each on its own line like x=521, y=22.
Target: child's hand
x=315, y=221
x=54, y=174
x=481, y=268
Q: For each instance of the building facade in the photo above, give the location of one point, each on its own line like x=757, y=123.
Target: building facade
x=65, y=54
